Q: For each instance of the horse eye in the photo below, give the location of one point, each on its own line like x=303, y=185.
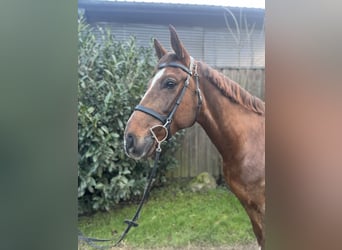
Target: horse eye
x=170, y=84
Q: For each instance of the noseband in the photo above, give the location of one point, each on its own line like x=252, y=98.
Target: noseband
x=167, y=119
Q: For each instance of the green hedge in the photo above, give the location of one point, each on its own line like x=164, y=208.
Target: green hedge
x=113, y=76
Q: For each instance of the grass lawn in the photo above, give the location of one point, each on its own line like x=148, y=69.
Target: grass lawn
x=174, y=217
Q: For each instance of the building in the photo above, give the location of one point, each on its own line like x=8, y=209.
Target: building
x=203, y=29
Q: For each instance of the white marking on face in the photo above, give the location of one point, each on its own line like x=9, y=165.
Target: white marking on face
x=147, y=148
x=154, y=80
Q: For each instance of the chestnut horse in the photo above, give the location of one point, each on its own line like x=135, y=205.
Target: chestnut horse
x=184, y=91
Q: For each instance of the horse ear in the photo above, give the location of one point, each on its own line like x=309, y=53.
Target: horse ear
x=160, y=50
x=177, y=45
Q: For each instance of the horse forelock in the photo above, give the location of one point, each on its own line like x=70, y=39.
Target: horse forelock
x=171, y=57
x=232, y=90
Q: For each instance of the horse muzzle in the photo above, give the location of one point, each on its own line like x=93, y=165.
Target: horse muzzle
x=138, y=147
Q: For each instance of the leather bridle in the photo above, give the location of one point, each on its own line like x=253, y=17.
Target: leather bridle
x=166, y=120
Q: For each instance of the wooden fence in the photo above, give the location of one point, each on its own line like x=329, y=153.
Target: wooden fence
x=197, y=154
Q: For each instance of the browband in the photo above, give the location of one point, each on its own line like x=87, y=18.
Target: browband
x=175, y=65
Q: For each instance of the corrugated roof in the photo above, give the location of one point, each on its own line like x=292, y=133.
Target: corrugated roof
x=164, y=13
x=202, y=29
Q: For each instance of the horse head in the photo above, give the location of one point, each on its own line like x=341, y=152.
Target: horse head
x=167, y=106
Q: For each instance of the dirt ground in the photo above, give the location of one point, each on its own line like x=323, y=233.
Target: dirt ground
x=236, y=247
x=252, y=246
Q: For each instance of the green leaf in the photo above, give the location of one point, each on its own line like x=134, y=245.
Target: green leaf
x=120, y=123
x=91, y=110
x=115, y=135
x=108, y=96
x=104, y=129
x=108, y=72
x=126, y=171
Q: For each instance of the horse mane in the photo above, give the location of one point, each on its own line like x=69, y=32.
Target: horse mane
x=233, y=90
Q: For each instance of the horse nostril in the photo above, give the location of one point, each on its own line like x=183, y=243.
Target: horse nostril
x=130, y=141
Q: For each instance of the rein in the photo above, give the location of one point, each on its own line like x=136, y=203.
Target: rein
x=166, y=121
x=133, y=222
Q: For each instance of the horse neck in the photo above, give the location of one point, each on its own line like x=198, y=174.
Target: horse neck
x=226, y=123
